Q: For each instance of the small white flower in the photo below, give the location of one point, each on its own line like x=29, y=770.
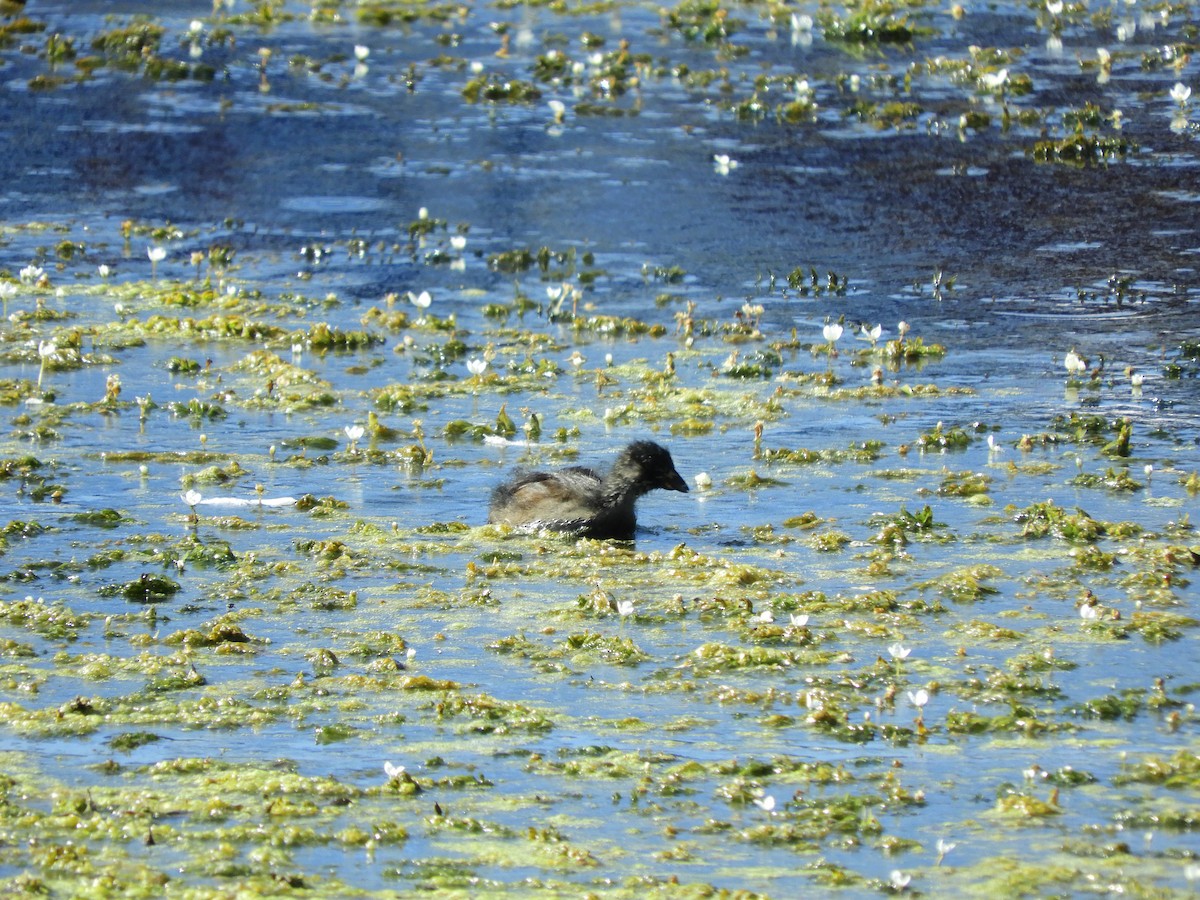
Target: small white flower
x=918, y=698
x=156, y=254
x=354, y=432
x=723, y=163
x=558, y=109
x=832, y=332
x=422, y=300
x=766, y=617
x=944, y=846
x=191, y=498
x=1054, y=7
x=1137, y=379
x=1074, y=363
x=104, y=270
x=903, y=328
x=703, y=481
x=871, y=334
x=898, y=880
x=477, y=366
x=766, y=803
x=993, y=444
x=576, y=359
x=993, y=81
x=195, y=26
x=31, y=274
x=899, y=651
x=1180, y=93
x=392, y=771
x=1148, y=470
x=1089, y=612
x=361, y=52
x=625, y=607
x=458, y=242
x=798, y=621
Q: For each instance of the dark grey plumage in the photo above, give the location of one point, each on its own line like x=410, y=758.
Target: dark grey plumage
x=578, y=499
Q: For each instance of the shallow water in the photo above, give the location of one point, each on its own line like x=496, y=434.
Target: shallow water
x=232, y=736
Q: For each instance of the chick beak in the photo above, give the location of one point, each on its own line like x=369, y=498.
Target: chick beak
x=673, y=481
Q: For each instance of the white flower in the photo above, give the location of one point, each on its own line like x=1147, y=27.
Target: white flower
x=918, y=698
x=832, y=332
x=191, y=498
x=944, y=846
x=625, y=607
x=354, y=432
x=899, y=651
x=423, y=213
x=1180, y=93
x=798, y=621
x=392, y=771
x=1089, y=612
x=576, y=359
x=421, y=300
x=156, y=254
x=703, y=481
x=723, y=163
x=1074, y=363
x=766, y=804
x=558, y=109
x=766, y=617
x=195, y=26
x=47, y=349
x=104, y=270
x=993, y=81
x=898, y=880
x=31, y=274
x=361, y=52
x=871, y=334
x=903, y=328
x=477, y=366
x=458, y=242
x=1137, y=379
x=1054, y=7
x=993, y=445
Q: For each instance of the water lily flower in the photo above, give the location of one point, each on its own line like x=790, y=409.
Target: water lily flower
x=898, y=880
x=576, y=359
x=558, y=109
x=871, y=334
x=31, y=274
x=723, y=163
x=1054, y=7
x=1180, y=93
x=392, y=771
x=103, y=270
x=46, y=351
x=476, y=366
x=1074, y=364
x=625, y=607
x=766, y=617
x=994, y=81
x=191, y=498
x=918, y=698
x=458, y=242
x=993, y=444
x=361, y=52
x=765, y=803
x=1137, y=379
x=832, y=332
x=899, y=651
x=903, y=328
x=943, y=847
x=798, y=621
x=354, y=432
x=422, y=300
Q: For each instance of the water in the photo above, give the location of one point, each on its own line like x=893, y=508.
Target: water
x=613, y=753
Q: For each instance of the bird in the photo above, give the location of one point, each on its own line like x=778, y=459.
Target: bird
x=581, y=501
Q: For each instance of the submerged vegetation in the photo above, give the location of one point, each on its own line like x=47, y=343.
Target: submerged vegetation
x=924, y=622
